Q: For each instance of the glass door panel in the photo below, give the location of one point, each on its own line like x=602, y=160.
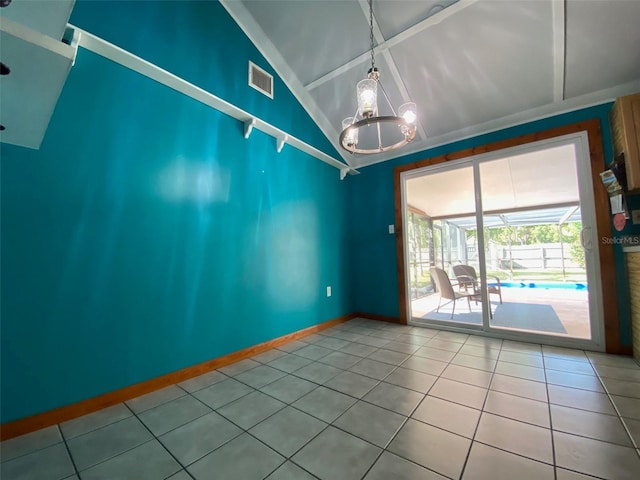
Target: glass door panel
x=437, y=242
x=535, y=275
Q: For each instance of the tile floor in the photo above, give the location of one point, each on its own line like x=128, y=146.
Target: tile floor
x=364, y=400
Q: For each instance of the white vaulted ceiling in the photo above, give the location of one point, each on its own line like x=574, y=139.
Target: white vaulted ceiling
x=472, y=66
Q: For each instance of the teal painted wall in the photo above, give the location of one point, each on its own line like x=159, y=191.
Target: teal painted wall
x=371, y=198
x=199, y=42
x=147, y=235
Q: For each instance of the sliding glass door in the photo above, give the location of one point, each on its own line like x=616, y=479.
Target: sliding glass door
x=500, y=243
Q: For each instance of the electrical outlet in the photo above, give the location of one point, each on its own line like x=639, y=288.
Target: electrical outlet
x=635, y=217
x=392, y=229
x=328, y=291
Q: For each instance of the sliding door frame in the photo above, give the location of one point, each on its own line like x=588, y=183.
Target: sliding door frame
x=602, y=217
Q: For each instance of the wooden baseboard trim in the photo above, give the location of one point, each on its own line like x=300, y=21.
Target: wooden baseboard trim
x=382, y=318
x=68, y=412
x=626, y=350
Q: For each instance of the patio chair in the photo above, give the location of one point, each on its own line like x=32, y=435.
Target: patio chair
x=467, y=279
x=446, y=291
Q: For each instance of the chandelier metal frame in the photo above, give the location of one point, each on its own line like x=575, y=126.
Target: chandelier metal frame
x=406, y=121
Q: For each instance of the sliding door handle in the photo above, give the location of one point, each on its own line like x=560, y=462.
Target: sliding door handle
x=585, y=239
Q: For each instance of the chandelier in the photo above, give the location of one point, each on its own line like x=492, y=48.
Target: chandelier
x=367, y=132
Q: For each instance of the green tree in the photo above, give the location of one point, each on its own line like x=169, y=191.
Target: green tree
x=544, y=234
x=571, y=235
x=577, y=254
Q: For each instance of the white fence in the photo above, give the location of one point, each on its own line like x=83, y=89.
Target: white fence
x=547, y=256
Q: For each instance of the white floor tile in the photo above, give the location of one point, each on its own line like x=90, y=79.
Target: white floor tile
x=480, y=408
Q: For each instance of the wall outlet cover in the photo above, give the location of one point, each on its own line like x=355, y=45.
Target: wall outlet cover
x=635, y=217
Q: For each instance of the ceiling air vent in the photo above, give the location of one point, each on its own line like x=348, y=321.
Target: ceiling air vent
x=260, y=80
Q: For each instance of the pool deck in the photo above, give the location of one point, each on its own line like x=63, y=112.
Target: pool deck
x=559, y=311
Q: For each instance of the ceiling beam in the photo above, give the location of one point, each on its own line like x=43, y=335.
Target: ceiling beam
x=416, y=210
x=568, y=214
x=558, y=14
x=506, y=211
x=434, y=19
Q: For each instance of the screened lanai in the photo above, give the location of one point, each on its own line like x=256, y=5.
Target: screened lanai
x=537, y=280
x=445, y=241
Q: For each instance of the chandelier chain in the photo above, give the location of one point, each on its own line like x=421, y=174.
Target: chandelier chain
x=373, y=62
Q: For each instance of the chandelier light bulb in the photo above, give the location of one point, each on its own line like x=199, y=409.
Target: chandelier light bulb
x=408, y=112
x=351, y=136
x=367, y=91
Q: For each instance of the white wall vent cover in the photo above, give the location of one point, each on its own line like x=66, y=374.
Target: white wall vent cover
x=260, y=80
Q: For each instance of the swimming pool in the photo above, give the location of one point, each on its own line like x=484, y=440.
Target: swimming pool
x=545, y=285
